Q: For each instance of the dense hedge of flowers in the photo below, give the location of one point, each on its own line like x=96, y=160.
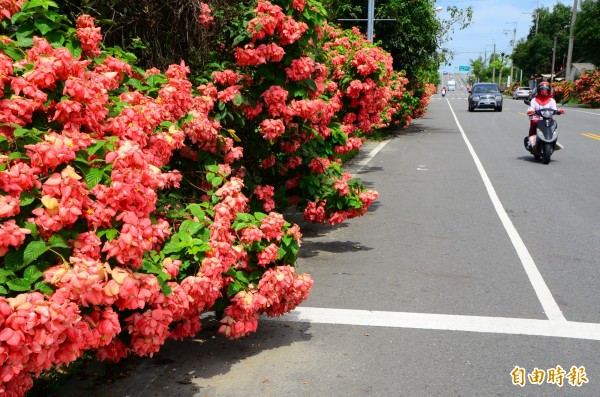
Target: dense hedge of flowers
x=587, y=88
x=132, y=201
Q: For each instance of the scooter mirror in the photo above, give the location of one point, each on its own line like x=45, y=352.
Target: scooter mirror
x=527, y=102
x=564, y=101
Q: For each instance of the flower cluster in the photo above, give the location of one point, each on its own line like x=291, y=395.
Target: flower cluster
x=587, y=88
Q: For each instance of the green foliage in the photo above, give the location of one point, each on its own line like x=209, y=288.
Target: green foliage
x=534, y=54
x=587, y=32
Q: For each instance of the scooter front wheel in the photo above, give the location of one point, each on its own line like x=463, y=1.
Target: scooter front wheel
x=547, y=153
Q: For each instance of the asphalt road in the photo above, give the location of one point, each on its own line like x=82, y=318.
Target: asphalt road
x=475, y=262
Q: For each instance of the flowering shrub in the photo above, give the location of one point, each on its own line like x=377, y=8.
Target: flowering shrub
x=132, y=201
x=562, y=90
x=122, y=219
x=587, y=88
x=282, y=101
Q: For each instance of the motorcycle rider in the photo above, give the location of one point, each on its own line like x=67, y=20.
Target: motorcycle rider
x=542, y=100
x=443, y=91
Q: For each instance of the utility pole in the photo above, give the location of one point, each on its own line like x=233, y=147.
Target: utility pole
x=512, y=62
x=553, y=59
x=501, y=66
x=571, y=33
x=494, y=68
x=371, y=21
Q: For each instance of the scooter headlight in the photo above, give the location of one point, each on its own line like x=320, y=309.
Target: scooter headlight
x=547, y=113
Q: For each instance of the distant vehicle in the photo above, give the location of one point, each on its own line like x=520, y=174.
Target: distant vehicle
x=521, y=93
x=451, y=85
x=485, y=95
x=446, y=73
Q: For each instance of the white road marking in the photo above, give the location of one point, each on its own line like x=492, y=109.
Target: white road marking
x=495, y=325
x=582, y=111
x=368, y=158
x=541, y=289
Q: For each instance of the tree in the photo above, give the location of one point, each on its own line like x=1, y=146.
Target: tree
x=534, y=54
x=587, y=32
x=415, y=37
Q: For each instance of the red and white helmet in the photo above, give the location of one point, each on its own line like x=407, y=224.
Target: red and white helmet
x=544, y=89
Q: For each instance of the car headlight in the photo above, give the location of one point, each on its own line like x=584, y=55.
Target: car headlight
x=498, y=97
x=475, y=98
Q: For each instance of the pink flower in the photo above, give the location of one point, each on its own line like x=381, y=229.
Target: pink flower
x=319, y=165
x=300, y=69
x=89, y=36
x=205, y=18
x=272, y=128
x=268, y=255
x=272, y=226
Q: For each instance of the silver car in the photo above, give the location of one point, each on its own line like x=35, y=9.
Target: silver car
x=521, y=93
x=485, y=96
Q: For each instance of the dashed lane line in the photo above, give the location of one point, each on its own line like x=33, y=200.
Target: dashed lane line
x=482, y=324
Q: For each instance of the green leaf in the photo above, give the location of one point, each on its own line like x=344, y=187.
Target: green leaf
x=43, y=287
x=15, y=53
x=58, y=241
x=93, y=177
x=33, y=251
x=234, y=288
x=194, y=227
x=260, y=216
x=217, y=181
x=311, y=84
x=26, y=198
x=196, y=211
x=13, y=260
x=17, y=155
x=32, y=274
x=33, y=227
x=19, y=285
x=238, y=40
x=3, y=291
x=4, y=274
x=111, y=234
x=43, y=27
x=244, y=217
x=240, y=276
x=237, y=100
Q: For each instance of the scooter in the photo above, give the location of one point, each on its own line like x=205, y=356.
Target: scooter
x=443, y=92
x=546, y=135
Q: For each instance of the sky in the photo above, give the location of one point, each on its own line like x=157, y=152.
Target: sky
x=493, y=22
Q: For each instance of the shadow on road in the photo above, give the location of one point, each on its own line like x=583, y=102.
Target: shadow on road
x=195, y=365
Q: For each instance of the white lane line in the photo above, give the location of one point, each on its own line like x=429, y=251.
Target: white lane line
x=369, y=157
x=495, y=325
x=541, y=289
x=581, y=111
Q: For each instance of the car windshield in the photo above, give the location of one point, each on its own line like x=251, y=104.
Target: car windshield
x=486, y=88
x=523, y=88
